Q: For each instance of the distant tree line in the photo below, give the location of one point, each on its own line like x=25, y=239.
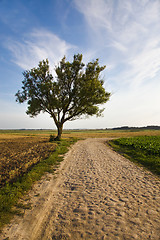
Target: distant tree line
x=137, y=128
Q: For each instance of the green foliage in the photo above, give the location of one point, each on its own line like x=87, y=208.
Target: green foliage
x=144, y=150
x=75, y=92
x=148, y=144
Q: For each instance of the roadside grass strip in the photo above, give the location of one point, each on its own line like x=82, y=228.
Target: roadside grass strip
x=12, y=192
x=144, y=150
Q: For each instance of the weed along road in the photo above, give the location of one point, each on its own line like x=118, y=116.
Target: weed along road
x=95, y=194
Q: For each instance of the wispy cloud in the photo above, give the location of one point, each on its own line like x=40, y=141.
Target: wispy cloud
x=36, y=46
x=119, y=46
x=128, y=34
x=97, y=13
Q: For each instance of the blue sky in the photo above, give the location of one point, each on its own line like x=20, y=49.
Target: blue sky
x=123, y=34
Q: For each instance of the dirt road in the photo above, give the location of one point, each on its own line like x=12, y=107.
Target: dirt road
x=96, y=194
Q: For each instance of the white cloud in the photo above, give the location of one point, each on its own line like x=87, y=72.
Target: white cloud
x=36, y=46
x=145, y=65
x=97, y=13
x=125, y=33
x=119, y=46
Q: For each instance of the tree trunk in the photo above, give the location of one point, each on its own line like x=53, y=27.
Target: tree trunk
x=59, y=128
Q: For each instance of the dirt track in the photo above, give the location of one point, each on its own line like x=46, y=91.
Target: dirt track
x=97, y=194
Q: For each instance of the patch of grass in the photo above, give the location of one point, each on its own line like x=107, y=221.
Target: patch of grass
x=12, y=192
x=140, y=155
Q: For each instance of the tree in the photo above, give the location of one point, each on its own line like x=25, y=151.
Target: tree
x=77, y=90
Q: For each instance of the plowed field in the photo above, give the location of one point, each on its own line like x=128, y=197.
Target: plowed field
x=17, y=155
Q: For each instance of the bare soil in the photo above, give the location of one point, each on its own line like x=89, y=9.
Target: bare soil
x=96, y=194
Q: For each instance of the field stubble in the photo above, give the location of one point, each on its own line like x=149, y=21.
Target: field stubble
x=19, y=154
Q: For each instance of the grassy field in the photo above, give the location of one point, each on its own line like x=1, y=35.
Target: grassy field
x=144, y=150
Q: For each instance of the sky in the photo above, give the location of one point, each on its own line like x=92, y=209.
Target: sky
x=123, y=34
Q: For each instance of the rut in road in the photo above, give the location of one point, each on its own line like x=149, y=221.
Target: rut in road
x=97, y=194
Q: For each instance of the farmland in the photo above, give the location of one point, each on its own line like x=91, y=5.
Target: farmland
x=18, y=155
x=24, y=158
x=94, y=186
x=22, y=149
x=143, y=149
x=97, y=133
x=25, y=155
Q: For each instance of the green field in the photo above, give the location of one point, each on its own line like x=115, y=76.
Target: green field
x=144, y=150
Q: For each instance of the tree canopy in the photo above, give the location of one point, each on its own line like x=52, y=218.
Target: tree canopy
x=77, y=90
